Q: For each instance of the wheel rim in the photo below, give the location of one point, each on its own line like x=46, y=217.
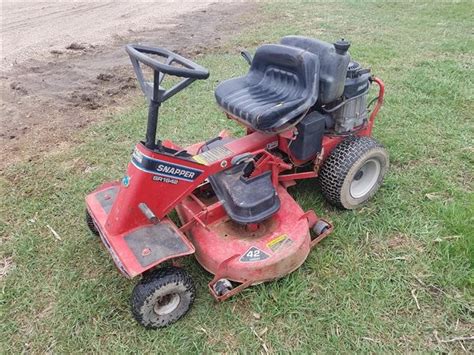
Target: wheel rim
x=166, y=304
x=365, y=178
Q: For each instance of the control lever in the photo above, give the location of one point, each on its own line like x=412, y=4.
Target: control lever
x=249, y=168
x=247, y=56
x=248, y=160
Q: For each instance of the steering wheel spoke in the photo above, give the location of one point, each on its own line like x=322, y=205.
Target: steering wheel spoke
x=188, y=70
x=155, y=93
x=168, y=61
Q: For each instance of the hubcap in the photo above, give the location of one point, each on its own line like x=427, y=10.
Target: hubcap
x=365, y=179
x=166, y=304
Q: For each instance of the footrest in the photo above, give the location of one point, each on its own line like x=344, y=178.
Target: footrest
x=140, y=249
x=159, y=242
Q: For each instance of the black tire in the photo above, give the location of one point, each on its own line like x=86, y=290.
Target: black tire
x=353, y=172
x=162, y=297
x=90, y=224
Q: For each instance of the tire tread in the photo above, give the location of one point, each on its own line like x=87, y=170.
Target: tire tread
x=90, y=224
x=156, y=279
x=338, y=164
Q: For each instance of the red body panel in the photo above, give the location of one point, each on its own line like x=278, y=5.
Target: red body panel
x=158, y=182
x=161, y=197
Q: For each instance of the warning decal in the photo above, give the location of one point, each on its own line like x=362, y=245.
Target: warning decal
x=211, y=156
x=279, y=242
x=253, y=254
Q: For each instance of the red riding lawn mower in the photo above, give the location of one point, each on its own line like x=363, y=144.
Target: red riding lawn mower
x=304, y=106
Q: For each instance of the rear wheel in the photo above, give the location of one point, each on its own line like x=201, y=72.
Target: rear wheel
x=162, y=297
x=353, y=172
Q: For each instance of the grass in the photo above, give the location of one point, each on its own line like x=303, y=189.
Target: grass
x=356, y=292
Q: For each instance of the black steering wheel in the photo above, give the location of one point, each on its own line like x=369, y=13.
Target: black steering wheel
x=188, y=70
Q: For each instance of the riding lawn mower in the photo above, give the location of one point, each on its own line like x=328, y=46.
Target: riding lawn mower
x=304, y=106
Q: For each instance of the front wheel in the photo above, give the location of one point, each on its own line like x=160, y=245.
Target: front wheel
x=162, y=297
x=353, y=172
x=90, y=223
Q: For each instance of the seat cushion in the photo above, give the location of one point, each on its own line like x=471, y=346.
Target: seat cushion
x=281, y=85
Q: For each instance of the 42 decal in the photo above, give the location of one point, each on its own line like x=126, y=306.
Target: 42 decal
x=253, y=254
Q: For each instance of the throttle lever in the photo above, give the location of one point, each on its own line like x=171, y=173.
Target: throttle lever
x=247, y=56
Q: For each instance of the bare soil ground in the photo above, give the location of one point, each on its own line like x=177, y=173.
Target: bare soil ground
x=64, y=65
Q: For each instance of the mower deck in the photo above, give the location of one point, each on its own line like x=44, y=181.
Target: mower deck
x=249, y=253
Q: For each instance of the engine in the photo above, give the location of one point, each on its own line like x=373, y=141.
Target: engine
x=341, y=107
x=349, y=111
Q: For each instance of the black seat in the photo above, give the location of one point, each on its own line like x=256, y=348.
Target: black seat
x=281, y=85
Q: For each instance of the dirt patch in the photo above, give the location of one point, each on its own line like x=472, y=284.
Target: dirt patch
x=31, y=29
x=6, y=265
x=46, y=100
x=400, y=244
x=399, y=241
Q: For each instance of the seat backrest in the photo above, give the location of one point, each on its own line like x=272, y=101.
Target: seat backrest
x=290, y=70
x=333, y=65
x=279, y=88
x=294, y=66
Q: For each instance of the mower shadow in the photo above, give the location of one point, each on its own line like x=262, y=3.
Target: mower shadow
x=308, y=194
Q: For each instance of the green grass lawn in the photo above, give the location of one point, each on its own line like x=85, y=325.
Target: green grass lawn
x=356, y=291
